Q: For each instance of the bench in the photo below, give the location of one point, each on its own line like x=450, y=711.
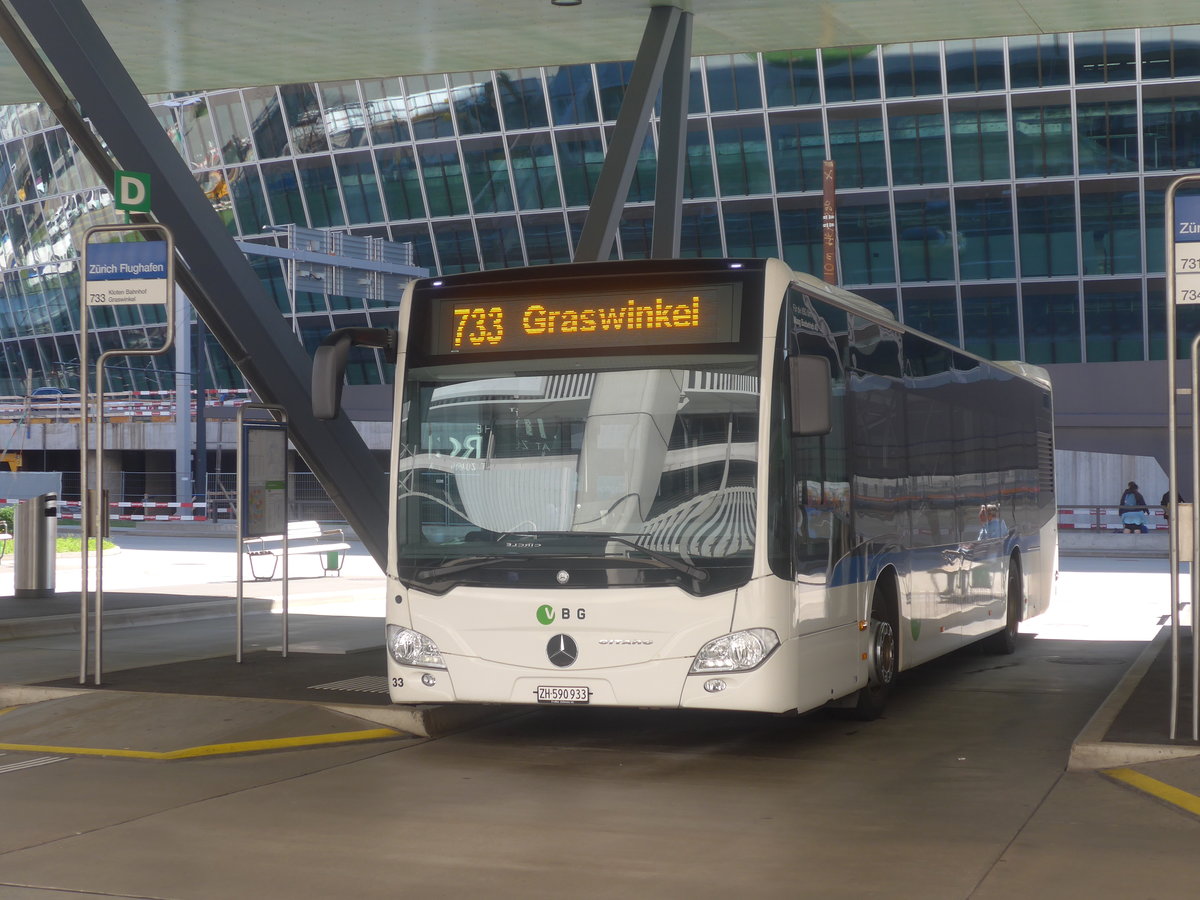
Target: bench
x=303, y=538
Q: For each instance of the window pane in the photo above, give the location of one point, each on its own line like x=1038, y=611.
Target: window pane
x=985, y=236
x=1038, y=60
x=636, y=230
x=851, y=73
x=1042, y=140
x=304, y=118
x=1051, y=325
x=1112, y=232
x=345, y=116
x=456, y=247
x=612, y=79
x=270, y=136
x=522, y=99
x=912, y=70
x=750, y=231
x=474, y=101
x=979, y=144
x=798, y=151
x=428, y=103
x=1108, y=138
x=791, y=78
x=856, y=143
x=742, y=160
x=926, y=239
x=533, y=170
x=250, y=205
x=1112, y=317
x=733, y=82
x=386, y=111
x=933, y=311
x=865, y=243
x=499, y=242
x=975, y=65
x=284, y=192
x=580, y=156
x=360, y=187
x=546, y=240
x=572, y=97
x=320, y=192
x=1170, y=131
x=698, y=179
x=443, y=180
x=1047, y=228
x=1171, y=52
x=1156, y=249
x=700, y=231
x=918, y=148
x=990, y=326
x=1102, y=57
x=401, y=184
x=800, y=228
x=487, y=175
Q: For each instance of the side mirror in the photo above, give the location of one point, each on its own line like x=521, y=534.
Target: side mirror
x=812, y=395
x=329, y=364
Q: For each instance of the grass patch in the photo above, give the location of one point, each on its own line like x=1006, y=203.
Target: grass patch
x=74, y=544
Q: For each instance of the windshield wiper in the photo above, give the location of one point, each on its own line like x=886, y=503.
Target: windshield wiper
x=465, y=565
x=676, y=564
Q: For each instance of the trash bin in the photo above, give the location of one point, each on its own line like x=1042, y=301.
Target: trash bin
x=35, y=536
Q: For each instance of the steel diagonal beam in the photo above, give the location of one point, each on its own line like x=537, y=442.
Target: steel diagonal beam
x=629, y=133
x=672, y=144
x=214, y=273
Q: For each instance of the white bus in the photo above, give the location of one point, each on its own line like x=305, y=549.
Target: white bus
x=713, y=484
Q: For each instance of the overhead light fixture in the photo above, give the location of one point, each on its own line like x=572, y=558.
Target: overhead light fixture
x=566, y=2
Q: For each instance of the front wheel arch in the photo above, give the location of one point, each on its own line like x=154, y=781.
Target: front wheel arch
x=883, y=648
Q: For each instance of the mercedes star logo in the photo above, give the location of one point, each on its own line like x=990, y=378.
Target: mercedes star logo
x=562, y=650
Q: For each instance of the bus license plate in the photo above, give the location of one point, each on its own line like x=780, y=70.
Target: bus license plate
x=559, y=694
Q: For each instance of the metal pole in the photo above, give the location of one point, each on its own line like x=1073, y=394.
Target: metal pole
x=629, y=132
x=85, y=507
x=1173, y=473
x=101, y=509
x=1195, y=582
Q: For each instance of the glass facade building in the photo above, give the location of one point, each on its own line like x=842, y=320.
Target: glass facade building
x=1005, y=194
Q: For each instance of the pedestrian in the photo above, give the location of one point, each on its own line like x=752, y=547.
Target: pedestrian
x=1133, y=510
x=1165, y=503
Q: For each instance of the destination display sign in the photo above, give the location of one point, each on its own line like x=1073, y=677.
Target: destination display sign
x=709, y=314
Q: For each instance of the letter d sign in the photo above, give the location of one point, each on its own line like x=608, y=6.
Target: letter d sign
x=133, y=191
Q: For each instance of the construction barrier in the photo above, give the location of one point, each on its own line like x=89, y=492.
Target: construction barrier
x=1103, y=518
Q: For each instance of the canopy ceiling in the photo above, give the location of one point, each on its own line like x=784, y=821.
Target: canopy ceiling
x=186, y=45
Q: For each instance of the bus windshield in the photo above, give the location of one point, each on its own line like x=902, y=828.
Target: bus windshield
x=621, y=476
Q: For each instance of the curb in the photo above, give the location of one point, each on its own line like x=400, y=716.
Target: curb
x=1090, y=751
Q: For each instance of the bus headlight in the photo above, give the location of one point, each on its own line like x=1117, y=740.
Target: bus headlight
x=737, y=652
x=411, y=648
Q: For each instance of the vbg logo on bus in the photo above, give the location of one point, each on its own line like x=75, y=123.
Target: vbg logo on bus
x=548, y=615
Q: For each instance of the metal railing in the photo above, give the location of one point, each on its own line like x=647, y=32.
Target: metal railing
x=1104, y=518
x=150, y=496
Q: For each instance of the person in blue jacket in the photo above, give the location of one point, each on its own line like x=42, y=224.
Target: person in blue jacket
x=1133, y=510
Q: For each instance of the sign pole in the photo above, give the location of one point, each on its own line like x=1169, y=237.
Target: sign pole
x=115, y=273
x=1182, y=230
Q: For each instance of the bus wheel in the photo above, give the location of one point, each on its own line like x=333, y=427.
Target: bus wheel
x=1004, y=642
x=881, y=664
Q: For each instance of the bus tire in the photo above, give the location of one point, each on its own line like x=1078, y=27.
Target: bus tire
x=883, y=656
x=1002, y=643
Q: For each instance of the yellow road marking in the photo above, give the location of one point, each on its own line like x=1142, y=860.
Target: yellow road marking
x=1157, y=789
x=307, y=740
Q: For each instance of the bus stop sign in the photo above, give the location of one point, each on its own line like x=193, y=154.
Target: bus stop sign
x=1186, y=245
